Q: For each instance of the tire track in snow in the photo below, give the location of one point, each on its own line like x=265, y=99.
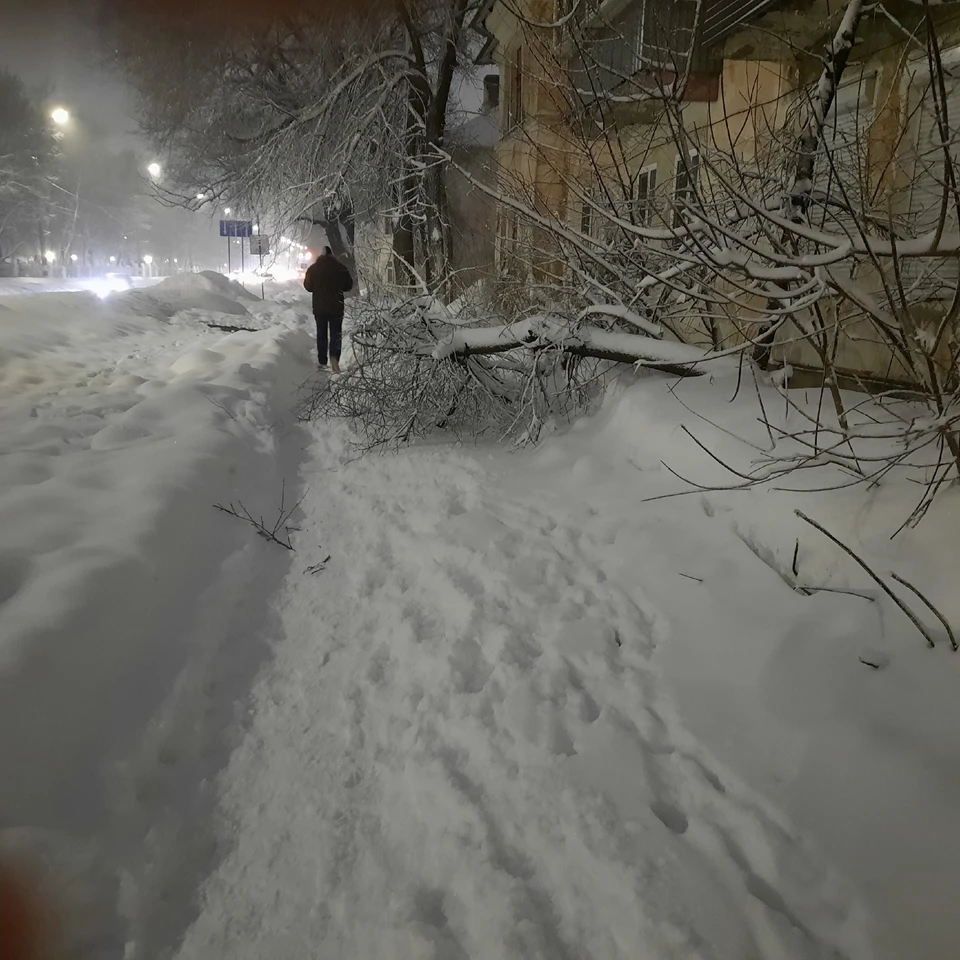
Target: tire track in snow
x=463, y=750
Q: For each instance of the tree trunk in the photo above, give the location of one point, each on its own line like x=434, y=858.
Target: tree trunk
x=338, y=232
x=439, y=233
x=835, y=62
x=410, y=191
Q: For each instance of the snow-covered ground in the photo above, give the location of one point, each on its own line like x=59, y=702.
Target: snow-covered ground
x=101, y=286
x=132, y=614
x=506, y=705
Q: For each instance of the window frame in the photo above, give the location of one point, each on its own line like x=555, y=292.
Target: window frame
x=514, y=101
x=681, y=194
x=643, y=208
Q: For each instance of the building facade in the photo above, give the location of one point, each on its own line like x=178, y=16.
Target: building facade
x=646, y=101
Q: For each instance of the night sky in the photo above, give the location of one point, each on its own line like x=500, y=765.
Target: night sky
x=53, y=43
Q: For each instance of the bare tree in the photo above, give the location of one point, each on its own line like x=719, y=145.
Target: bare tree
x=786, y=238
x=318, y=113
x=27, y=162
x=779, y=234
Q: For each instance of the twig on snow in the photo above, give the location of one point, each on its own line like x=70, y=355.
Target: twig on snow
x=273, y=534
x=222, y=406
x=850, y=593
x=910, y=614
x=228, y=327
x=319, y=567
x=931, y=607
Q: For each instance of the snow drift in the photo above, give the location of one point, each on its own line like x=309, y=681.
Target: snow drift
x=130, y=610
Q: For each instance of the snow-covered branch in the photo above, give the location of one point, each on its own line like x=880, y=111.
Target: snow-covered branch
x=539, y=332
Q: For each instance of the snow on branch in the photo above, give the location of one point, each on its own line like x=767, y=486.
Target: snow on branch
x=835, y=62
x=543, y=331
x=622, y=313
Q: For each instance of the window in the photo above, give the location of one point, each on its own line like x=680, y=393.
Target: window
x=586, y=218
x=685, y=184
x=509, y=241
x=513, y=234
x=930, y=176
x=645, y=190
x=515, y=113
x=670, y=34
x=652, y=35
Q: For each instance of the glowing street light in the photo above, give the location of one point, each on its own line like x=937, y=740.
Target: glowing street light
x=50, y=256
x=228, y=211
x=200, y=196
x=148, y=259
x=113, y=259
x=74, y=257
x=154, y=169
x=60, y=116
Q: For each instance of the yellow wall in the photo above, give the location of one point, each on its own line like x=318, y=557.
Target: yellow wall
x=544, y=160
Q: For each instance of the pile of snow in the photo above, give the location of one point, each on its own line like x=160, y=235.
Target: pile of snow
x=106, y=414
x=831, y=705
x=208, y=281
x=130, y=610
x=62, y=325
x=207, y=291
x=101, y=286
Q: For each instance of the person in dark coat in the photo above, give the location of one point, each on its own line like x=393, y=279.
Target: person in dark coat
x=328, y=280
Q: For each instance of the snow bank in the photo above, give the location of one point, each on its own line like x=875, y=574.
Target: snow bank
x=206, y=291
x=131, y=611
x=776, y=684
x=208, y=281
x=104, y=416
x=101, y=286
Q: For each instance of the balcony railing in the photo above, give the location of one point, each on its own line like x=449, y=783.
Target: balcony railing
x=722, y=17
x=647, y=44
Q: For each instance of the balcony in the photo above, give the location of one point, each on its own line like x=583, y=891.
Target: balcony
x=633, y=59
x=723, y=17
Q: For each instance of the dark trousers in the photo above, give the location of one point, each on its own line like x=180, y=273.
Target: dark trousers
x=334, y=323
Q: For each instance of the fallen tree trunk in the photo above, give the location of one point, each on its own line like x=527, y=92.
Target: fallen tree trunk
x=679, y=359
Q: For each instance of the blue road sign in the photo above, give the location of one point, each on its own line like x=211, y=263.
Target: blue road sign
x=236, y=228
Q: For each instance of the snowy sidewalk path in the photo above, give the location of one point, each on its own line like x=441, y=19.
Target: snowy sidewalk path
x=465, y=750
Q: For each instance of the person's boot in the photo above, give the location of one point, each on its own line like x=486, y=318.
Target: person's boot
x=334, y=365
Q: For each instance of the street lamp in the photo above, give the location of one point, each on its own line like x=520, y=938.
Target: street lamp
x=227, y=211
x=74, y=257
x=113, y=259
x=50, y=256
x=147, y=259
x=60, y=116
x=154, y=169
